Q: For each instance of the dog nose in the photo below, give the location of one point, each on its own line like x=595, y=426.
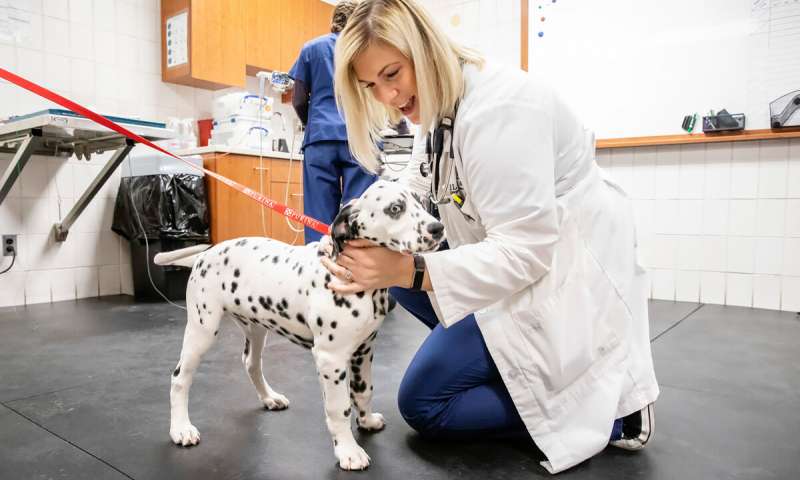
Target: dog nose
x=436, y=229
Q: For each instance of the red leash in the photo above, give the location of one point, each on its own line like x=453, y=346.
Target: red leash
x=69, y=104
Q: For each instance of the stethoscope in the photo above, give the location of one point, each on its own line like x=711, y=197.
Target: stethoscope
x=441, y=191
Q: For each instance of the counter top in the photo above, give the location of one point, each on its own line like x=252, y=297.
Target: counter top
x=237, y=151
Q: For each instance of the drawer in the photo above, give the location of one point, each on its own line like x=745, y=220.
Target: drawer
x=280, y=170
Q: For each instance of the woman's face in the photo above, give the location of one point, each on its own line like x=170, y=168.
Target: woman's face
x=390, y=76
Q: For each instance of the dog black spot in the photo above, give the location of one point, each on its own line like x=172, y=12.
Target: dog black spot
x=301, y=318
x=359, y=361
x=330, y=337
x=204, y=307
x=201, y=320
x=233, y=287
x=246, y=346
x=284, y=303
x=300, y=270
x=216, y=332
x=327, y=277
x=313, y=284
x=347, y=413
x=335, y=443
x=225, y=262
x=223, y=286
x=343, y=374
x=275, y=259
x=241, y=242
x=319, y=321
x=249, y=298
x=336, y=370
x=360, y=294
x=355, y=313
x=325, y=376
x=254, y=309
x=333, y=324
x=237, y=301
x=236, y=273
x=203, y=273
x=177, y=371
x=224, y=309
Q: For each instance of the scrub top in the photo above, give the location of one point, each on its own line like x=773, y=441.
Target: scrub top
x=314, y=67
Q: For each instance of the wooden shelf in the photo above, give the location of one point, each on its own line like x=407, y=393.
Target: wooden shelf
x=740, y=136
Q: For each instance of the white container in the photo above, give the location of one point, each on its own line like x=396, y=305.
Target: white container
x=254, y=137
x=145, y=161
x=242, y=103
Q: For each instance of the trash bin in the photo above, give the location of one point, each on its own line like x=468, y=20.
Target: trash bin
x=163, y=200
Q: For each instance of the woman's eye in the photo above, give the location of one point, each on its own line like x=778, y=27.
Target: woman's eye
x=393, y=74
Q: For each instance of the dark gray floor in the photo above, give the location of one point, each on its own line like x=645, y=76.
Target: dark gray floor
x=84, y=393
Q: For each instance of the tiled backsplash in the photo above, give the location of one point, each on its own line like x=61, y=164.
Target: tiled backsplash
x=718, y=222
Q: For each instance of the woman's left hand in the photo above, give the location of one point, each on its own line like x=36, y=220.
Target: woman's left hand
x=370, y=267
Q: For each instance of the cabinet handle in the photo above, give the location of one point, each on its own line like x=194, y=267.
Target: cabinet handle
x=266, y=169
x=297, y=194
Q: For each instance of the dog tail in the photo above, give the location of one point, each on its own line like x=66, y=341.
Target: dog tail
x=184, y=257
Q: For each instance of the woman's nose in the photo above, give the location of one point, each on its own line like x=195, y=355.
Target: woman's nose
x=385, y=95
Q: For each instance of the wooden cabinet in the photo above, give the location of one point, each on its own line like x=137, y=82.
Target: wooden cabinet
x=228, y=39
x=262, y=35
x=235, y=215
x=216, y=44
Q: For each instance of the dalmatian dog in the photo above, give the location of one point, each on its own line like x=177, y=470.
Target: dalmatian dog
x=266, y=286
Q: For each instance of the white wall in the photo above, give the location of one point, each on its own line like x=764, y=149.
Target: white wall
x=491, y=26
x=718, y=223
x=104, y=54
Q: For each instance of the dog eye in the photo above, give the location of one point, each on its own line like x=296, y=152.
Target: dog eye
x=395, y=209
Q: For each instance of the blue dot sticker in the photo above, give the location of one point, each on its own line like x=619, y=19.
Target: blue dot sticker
x=541, y=34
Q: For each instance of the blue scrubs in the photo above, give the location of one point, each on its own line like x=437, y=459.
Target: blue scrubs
x=326, y=156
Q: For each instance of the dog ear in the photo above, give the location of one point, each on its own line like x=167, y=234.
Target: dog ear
x=341, y=229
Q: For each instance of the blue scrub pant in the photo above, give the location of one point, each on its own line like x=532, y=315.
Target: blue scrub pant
x=452, y=388
x=324, y=163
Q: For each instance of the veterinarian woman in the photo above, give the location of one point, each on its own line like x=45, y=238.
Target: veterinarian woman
x=538, y=309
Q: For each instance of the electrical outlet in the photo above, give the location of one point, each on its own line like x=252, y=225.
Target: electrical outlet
x=10, y=245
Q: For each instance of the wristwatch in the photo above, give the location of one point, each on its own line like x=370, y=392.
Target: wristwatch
x=419, y=272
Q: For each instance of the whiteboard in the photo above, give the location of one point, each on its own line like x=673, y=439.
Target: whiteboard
x=637, y=67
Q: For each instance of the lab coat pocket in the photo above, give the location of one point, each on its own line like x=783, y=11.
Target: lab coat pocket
x=566, y=331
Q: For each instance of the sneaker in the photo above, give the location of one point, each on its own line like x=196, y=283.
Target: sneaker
x=637, y=429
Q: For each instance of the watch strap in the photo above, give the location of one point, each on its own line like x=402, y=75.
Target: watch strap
x=419, y=272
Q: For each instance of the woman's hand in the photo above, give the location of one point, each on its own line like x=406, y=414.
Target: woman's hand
x=364, y=266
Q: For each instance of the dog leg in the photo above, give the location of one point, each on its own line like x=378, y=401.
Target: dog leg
x=254, y=346
x=361, y=388
x=201, y=328
x=332, y=368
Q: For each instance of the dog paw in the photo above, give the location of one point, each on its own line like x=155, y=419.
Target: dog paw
x=372, y=422
x=276, y=402
x=352, y=457
x=185, y=435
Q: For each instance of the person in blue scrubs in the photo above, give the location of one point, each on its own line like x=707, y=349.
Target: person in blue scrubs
x=326, y=156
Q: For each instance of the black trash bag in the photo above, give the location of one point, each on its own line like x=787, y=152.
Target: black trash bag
x=172, y=207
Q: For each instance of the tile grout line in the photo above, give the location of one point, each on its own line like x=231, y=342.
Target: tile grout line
x=65, y=440
x=652, y=340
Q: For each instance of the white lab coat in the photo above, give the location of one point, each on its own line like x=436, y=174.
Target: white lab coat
x=548, y=265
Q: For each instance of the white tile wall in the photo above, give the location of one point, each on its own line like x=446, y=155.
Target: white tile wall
x=104, y=54
x=717, y=223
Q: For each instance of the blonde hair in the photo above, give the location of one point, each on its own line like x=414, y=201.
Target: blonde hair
x=406, y=26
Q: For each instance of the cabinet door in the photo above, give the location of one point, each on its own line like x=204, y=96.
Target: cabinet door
x=322, y=13
x=280, y=224
x=217, y=42
x=296, y=19
x=262, y=35
x=237, y=215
